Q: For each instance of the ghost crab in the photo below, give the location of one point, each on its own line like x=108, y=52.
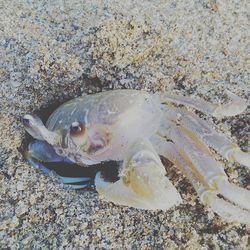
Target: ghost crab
x=135, y=127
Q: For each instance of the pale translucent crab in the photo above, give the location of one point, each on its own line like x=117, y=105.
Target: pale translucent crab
x=134, y=128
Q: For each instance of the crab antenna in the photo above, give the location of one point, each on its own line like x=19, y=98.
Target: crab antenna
x=35, y=127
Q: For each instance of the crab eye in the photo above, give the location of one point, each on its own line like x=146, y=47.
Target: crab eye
x=77, y=128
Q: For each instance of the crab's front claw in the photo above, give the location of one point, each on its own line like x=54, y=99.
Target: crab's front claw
x=142, y=182
x=44, y=152
x=42, y=156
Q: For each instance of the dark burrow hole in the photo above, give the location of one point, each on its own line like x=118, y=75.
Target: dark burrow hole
x=109, y=170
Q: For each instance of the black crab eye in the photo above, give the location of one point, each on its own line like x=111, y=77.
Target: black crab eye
x=77, y=128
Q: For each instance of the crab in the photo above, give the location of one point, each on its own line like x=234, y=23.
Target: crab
x=134, y=128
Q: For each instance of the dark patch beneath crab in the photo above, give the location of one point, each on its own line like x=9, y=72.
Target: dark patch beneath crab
x=109, y=170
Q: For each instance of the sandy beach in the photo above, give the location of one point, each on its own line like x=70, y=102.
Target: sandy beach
x=53, y=51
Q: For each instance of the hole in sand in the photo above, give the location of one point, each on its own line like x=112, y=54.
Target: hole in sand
x=109, y=169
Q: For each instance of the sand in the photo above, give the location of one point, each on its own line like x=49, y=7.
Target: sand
x=52, y=51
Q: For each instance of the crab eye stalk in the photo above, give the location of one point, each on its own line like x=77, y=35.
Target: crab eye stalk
x=26, y=122
x=77, y=129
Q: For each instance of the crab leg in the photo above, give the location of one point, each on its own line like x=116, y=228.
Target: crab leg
x=195, y=150
x=207, y=134
x=40, y=152
x=204, y=166
x=210, y=169
x=142, y=182
x=170, y=152
x=206, y=192
x=235, y=107
x=225, y=209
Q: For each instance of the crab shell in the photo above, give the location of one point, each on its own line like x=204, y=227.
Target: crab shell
x=112, y=113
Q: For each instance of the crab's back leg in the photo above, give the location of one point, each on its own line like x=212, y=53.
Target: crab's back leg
x=236, y=106
x=168, y=150
x=204, y=131
x=40, y=153
x=142, y=182
x=225, y=209
x=206, y=167
x=208, y=191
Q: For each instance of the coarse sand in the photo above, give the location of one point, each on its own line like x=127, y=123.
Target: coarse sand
x=52, y=51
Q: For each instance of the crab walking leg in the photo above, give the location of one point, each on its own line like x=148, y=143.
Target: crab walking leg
x=207, y=169
x=225, y=209
x=40, y=152
x=206, y=192
x=207, y=134
x=236, y=106
x=168, y=150
x=142, y=182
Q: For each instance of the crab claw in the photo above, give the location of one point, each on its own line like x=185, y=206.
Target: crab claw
x=44, y=152
x=142, y=182
x=42, y=156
